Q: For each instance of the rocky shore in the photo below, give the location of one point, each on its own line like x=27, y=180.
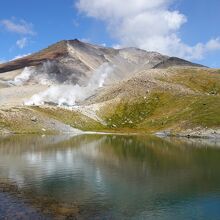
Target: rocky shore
x=204, y=133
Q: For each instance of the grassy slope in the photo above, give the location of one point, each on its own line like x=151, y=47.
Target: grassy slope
x=162, y=110
x=19, y=120
x=206, y=81
x=74, y=119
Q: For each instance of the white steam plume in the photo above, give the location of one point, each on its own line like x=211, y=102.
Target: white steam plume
x=22, y=78
x=43, y=75
x=70, y=94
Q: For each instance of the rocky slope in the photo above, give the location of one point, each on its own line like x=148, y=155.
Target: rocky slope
x=74, y=61
x=141, y=92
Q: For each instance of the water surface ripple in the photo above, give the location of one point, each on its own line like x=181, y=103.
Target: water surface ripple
x=110, y=177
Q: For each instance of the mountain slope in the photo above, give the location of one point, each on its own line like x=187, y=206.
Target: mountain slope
x=75, y=61
x=175, y=61
x=50, y=53
x=178, y=100
x=141, y=92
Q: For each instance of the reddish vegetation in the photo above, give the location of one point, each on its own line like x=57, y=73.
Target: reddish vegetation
x=53, y=52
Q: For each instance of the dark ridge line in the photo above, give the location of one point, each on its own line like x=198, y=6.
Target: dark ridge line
x=175, y=61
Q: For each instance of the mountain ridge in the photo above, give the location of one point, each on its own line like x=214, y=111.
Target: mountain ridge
x=60, y=49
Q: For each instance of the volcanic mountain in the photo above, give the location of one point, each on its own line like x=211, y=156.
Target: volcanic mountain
x=95, y=88
x=75, y=61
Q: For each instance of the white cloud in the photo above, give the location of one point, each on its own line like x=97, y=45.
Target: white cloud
x=15, y=58
x=21, y=43
x=148, y=24
x=18, y=26
x=86, y=40
x=20, y=56
x=213, y=44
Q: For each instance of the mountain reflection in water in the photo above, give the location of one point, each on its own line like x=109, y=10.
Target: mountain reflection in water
x=118, y=177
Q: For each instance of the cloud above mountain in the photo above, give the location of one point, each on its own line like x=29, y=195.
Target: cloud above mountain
x=150, y=25
x=21, y=56
x=21, y=43
x=18, y=26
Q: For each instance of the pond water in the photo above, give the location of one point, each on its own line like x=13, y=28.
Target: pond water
x=109, y=177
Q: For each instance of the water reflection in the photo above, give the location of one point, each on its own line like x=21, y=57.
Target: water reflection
x=127, y=177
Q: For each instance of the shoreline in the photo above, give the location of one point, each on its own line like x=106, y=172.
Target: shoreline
x=193, y=134
x=196, y=133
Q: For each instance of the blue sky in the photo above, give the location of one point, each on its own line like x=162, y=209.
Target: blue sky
x=186, y=28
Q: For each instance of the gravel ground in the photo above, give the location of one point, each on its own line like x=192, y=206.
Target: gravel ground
x=16, y=95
